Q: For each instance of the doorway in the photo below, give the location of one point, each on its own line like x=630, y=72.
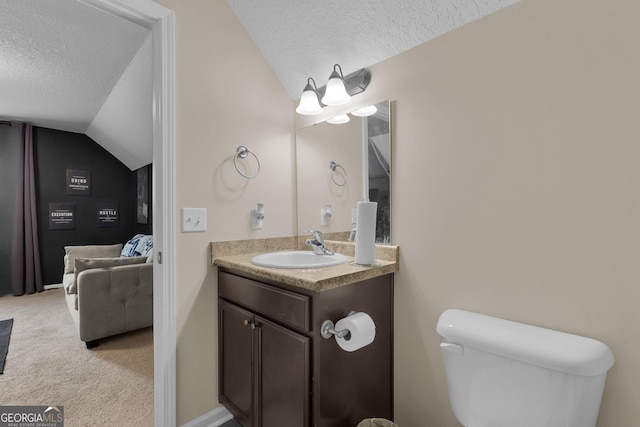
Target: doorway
x=160, y=21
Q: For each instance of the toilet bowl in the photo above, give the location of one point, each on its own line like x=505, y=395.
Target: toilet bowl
x=502, y=373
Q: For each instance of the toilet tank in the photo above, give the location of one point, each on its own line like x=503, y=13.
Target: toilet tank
x=502, y=373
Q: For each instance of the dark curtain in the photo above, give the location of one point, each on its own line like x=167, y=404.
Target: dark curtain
x=26, y=274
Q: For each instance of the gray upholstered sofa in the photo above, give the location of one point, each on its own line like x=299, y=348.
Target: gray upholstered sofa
x=108, y=293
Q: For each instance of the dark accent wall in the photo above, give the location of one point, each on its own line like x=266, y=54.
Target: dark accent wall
x=9, y=159
x=110, y=179
x=55, y=152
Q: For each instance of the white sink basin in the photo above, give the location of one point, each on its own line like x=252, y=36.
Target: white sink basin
x=297, y=259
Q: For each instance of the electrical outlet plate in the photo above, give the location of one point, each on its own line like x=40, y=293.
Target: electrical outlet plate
x=194, y=220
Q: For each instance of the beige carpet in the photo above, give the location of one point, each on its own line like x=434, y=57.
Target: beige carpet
x=47, y=364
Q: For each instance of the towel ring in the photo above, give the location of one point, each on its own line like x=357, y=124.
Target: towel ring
x=332, y=167
x=243, y=152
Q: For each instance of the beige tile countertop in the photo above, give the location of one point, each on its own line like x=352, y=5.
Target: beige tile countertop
x=236, y=255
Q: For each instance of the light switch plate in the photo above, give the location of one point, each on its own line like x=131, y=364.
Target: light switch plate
x=194, y=220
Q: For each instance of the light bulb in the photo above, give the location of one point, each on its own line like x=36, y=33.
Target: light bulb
x=336, y=93
x=369, y=110
x=309, y=104
x=338, y=120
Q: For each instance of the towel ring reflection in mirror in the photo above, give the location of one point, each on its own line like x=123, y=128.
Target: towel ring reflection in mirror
x=242, y=152
x=333, y=167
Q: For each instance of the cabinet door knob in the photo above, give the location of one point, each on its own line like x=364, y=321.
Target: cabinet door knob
x=247, y=322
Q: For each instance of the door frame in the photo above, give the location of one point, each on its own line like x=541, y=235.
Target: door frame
x=160, y=21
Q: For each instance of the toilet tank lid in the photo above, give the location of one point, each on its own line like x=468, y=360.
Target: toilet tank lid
x=551, y=349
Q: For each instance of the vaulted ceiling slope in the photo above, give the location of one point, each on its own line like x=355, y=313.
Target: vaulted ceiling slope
x=304, y=38
x=60, y=61
x=67, y=65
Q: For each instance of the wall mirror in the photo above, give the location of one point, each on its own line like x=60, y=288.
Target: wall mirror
x=339, y=165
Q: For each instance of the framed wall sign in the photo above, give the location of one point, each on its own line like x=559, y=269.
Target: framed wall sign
x=107, y=215
x=142, y=194
x=79, y=181
x=62, y=216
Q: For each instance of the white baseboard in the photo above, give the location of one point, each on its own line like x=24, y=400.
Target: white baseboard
x=56, y=286
x=214, y=418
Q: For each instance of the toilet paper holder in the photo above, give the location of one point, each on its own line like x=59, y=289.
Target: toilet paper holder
x=327, y=329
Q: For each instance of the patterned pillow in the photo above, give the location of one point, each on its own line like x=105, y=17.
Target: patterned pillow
x=144, y=245
x=150, y=256
x=130, y=247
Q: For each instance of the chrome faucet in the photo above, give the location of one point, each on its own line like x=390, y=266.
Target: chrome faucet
x=319, y=247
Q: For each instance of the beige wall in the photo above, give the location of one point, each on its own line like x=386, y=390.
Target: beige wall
x=226, y=96
x=515, y=187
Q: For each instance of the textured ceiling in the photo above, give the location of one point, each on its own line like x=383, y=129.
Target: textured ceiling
x=59, y=60
x=304, y=38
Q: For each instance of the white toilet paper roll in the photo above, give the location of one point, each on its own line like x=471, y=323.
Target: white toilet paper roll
x=362, y=331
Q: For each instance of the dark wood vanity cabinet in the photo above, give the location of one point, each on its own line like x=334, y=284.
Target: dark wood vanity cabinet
x=277, y=371
x=266, y=374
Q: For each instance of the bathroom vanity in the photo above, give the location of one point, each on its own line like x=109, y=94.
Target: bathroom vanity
x=275, y=368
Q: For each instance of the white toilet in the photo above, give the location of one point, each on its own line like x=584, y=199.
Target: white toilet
x=507, y=374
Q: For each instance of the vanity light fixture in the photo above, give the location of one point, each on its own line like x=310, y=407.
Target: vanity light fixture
x=309, y=104
x=336, y=93
x=338, y=120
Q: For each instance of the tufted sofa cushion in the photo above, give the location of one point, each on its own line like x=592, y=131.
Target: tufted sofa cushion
x=82, y=264
x=114, y=300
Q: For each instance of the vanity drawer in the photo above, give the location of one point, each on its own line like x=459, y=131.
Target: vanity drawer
x=278, y=304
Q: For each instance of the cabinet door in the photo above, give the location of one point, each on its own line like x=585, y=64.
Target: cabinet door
x=283, y=376
x=235, y=360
